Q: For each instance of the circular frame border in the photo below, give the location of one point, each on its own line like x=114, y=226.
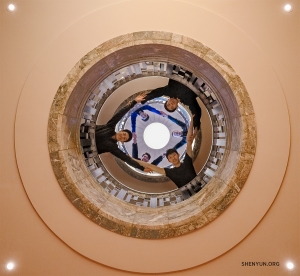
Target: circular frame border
x=118, y=216
x=95, y=238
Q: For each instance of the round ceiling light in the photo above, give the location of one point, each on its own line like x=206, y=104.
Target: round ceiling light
x=156, y=135
x=290, y=265
x=11, y=7
x=10, y=265
x=288, y=8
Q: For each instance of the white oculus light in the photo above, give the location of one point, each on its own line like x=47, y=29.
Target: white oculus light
x=288, y=8
x=290, y=265
x=11, y=7
x=10, y=265
x=156, y=135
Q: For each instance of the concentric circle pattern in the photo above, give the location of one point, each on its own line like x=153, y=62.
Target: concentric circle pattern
x=154, y=112
x=80, y=172
x=90, y=114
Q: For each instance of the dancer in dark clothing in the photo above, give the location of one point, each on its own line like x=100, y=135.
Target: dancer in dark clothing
x=182, y=173
x=178, y=92
x=107, y=138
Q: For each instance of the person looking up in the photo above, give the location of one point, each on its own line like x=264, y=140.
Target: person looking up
x=107, y=138
x=181, y=173
x=178, y=92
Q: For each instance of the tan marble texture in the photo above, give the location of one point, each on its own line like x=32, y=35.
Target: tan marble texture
x=235, y=135
x=124, y=213
x=226, y=169
x=66, y=165
x=211, y=193
x=221, y=63
x=70, y=190
x=54, y=132
x=198, y=47
x=217, y=67
x=146, y=232
x=62, y=95
x=157, y=217
x=243, y=169
x=113, y=225
x=123, y=218
x=242, y=96
x=152, y=37
x=184, y=215
x=62, y=132
x=249, y=134
x=225, y=201
x=92, y=194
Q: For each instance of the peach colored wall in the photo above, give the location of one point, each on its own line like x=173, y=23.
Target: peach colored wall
x=25, y=36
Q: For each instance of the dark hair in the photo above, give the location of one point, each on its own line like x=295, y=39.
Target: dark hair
x=146, y=153
x=165, y=105
x=170, y=151
x=183, y=133
x=145, y=120
x=129, y=134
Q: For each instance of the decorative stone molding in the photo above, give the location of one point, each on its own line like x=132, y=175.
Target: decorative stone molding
x=225, y=182
x=138, y=70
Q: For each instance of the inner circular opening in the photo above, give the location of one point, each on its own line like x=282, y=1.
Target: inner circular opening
x=130, y=177
x=156, y=135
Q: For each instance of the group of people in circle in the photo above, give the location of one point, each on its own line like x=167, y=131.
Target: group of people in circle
x=145, y=117
x=182, y=172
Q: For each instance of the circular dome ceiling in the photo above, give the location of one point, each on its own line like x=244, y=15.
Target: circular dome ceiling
x=99, y=196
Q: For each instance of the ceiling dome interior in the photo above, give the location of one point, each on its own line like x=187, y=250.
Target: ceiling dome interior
x=45, y=56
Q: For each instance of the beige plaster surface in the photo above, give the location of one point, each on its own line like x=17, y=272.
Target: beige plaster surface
x=280, y=245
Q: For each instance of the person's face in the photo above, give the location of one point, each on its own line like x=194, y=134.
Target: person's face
x=173, y=158
x=176, y=133
x=145, y=158
x=122, y=136
x=143, y=115
x=172, y=103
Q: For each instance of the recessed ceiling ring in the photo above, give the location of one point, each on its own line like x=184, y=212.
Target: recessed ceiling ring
x=80, y=186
